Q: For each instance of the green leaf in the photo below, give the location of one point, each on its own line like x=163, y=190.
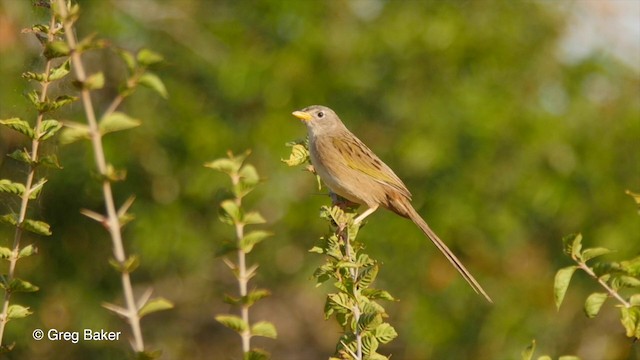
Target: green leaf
x=94, y=81
x=527, y=353
x=226, y=248
x=36, y=227
x=567, y=357
x=17, y=312
x=148, y=57
x=153, y=82
x=623, y=281
x=18, y=125
x=385, y=333
x=5, y=253
x=367, y=276
x=50, y=161
x=256, y=354
x=299, y=154
x=369, y=344
x=340, y=303
x=154, y=305
x=264, y=329
x=232, y=210
x=56, y=49
x=127, y=266
x=631, y=267
x=73, y=132
x=27, y=251
x=232, y=322
x=226, y=166
x=9, y=187
x=60, y=71
x=591, y=253
x=561, y=283
x=48, y=128
x=375, y=294
x=117, y=121
x=255, y=295
x=59, y=102
x=252, y=238
x=593, y=304
x=19, y=285
x=148, y=355
x=128, y=59
x=21, y=155
x=37, y=188
x=252, y=218
x=573, y=245
x=630, y=318
x=634, y=300
x=40, y=77
x=11, y=219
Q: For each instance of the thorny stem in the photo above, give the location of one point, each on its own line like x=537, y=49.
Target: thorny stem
x=243, y=276
x=35, y=144
x=113, y=222
x=611, y=291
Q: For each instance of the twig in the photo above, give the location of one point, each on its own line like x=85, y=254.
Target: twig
x=611, y=291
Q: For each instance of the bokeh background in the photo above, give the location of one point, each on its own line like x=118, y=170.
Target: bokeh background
x=513, y=123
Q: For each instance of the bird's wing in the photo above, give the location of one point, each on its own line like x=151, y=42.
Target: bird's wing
x=358, y=156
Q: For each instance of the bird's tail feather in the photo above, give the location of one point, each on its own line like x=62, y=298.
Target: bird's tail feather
x=417, y=219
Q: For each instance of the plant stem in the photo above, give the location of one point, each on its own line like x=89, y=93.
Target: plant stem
x=113, y=222
x=35, y=144
x=243, y=277
x=344, y=233
x=611, y=291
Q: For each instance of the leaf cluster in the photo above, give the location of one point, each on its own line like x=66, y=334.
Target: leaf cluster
x=614, y=277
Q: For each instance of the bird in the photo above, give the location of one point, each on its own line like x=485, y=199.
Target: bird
x=351, y=170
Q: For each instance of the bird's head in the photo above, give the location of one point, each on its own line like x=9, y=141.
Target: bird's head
x=318, y=118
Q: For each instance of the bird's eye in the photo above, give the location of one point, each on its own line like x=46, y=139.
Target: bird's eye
x=320, y=115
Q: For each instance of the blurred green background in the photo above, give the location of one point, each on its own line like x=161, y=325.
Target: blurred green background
x=509, y=133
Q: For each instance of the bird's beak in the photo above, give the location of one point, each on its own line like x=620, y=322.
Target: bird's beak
x=302, y=115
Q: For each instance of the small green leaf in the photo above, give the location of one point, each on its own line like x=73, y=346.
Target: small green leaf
x=127, y=266
x=36, y=227
x=9, y=187
x=18, y=125
x=254, y=237
x=375, y=294
x=624, y=281
x=148, y=57
x=40, y=77
x=48, y=128
x=21, y=155
x=17, y=312
x=56, y=49
x=561, y=283
x=60, y=71
x=73, y=132
x=593, y=304
x=154, y=305
x=5, y=253
x=27, y=251
x=591, y=253
x=264, y=329
x=255, y=295
x=226, y=248
x=369, y=343
x=385, y=333
x=148, y=355
x=226, y=166
x=567, y=357
x=19, y=285
x=631, y=267
x=630, y=318
x=527, y=353
x=128, y=59
x=232, y=210
x=153, y=82
x=634, y=300
x=117, y=121
x=94, y=81
x=299, y=154
x=11, y=219
x=232, y=322
x=50, y=161
x=252, y=218
x=367, y=276
x=60, y=101
x=256, y=354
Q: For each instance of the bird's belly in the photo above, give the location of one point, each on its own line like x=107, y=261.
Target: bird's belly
x=333, y=182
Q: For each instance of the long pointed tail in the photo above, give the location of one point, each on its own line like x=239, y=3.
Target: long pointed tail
x=417, y=219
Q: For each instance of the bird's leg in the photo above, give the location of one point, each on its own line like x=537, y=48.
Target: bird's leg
x=365, y=214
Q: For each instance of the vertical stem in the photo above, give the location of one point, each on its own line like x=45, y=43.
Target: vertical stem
x=24, y=203
x=113, y=222
x=344, y=233
x=243, y=278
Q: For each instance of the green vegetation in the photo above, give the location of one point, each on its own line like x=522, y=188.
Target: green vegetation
x=506, y=145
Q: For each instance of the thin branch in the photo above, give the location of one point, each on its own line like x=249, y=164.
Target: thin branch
x=113, y=222
x=611, y=291
x=35, y=144
x=243, y=278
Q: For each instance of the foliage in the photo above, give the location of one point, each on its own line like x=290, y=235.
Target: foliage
x=527, y=354
x=613, y=277
x=355, y=305
x=43, y=129
x=244, y=179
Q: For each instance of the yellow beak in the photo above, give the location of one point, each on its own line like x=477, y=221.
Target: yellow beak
x=302, y=115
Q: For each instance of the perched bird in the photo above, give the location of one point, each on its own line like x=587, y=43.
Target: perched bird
x=350, y=169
